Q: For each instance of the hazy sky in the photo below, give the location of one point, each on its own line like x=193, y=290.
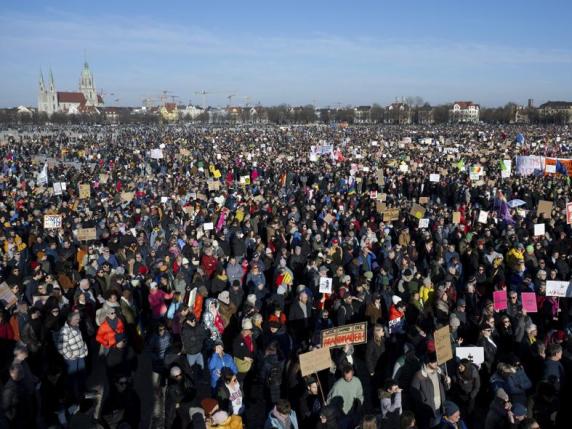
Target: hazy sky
x=295, y=52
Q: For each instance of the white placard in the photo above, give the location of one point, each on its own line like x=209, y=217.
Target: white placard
x=474, y=176
x=164, y=200
x=539, y=229
x=423, y=223
x=58, y=188
x=483, y=216
x=475, y=354
x=558, y=288
x=52, y=221
x=434, y=178
x=404, y=168
x=325, y=285
x=208, y=226
x=162, y=145
x=156, y=153
x=551, y=168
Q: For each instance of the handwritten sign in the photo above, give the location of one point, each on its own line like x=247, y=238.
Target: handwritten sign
x=103, y=178
x=157, y=153
x=529, y=302
x=346, y=334
x=84, y=191
x=213, y=185
x=483, y=216
x=391, y=215
x=443, y=348
x=325, y=285
x=423, y=200
x=314, y=361
x=544, y=208
x=434, y=178
x=7, y=296
x=569, y=213
x=500, y=300
x=417, y=211
x=127, y=197
x=423, y=223
x=558, y=288
x=86, y=234
x=539, y=229
x=456, y=218
x=208, y=226
x=52, y=221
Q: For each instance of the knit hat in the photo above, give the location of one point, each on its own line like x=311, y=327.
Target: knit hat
x=219, y=417
x=395, y=299
x=251, y=299
x=450, y=408
x=246, y=324
x=175, y=371
x=368, y=275
x=209, y=404
x=224, y=297
x=346, y=279
x=519, y=410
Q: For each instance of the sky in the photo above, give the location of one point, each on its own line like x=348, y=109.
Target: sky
x=295, y=52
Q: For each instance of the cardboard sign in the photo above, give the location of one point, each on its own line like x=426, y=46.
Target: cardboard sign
x=84, y=191
x=434, y=178
x=213, y=185
x=423, y=223
x=443, y=348
x=325, y=285
x=456, y=218
x=569, y=213
x=539, y=229
x=423, y=200
x=86, y=234
x=391, y=215
x=7, y=296
x=529, y=302
x=500, y=300
x=382, y=197
x=346, y=334
x=103, y=178
x=329, y=218
x=184, y=152
x=417, y=211
x=544, y=208
x=475, y=355
x=315, y=361
x=558, y=288
x=380, y=207
x=483, y=216
x=127, y=197
x=52, y=221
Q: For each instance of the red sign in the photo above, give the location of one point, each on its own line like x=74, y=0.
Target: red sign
x=499, y=299
x=529, y=302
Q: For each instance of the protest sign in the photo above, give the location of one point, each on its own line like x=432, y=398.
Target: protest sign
x=192, y=298
x=443, y=345
x=396, y=325
x=569, y=213
x=417, y=211
x=558, y=288
x=434, y=178
x=423, y=223
x=7, y=296
x=52, y=221
x=391, y=215
x=103, y=178
x=184, y=152
x=539, y=229
x=423, y=200
x=346, y=334
x=373, y=195
x=85, y=234
x=325, y=285
x=127, y=197
x=208, y=226
x=475, y=355
x=213, y=185
x=58, y=189
x=156, y=153
x=529, y=302
x=456, y=218
x=84, y=191
x=329, y=218
x=315, y=361
x=380, y=207
x=544, y=208
x=500, y=300
x=483, y=216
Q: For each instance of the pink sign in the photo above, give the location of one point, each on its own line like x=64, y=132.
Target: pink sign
x=499, y=299
x=529, y=302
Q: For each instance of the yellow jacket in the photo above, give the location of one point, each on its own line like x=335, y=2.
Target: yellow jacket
x=233, y=422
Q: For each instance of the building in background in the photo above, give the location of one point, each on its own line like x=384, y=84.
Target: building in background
x=86, y=100
x=464, y=112
x=559, y=112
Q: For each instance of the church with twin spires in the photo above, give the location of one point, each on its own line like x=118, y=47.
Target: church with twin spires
x=85, y=101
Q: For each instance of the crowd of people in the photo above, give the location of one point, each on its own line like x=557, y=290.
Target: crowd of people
x=181, y=285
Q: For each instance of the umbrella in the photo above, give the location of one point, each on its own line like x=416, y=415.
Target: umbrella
x=516, y=203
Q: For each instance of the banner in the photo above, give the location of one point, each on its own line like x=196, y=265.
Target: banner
x=558, y=288
x=342, y=335
x=315, y=361
x=529, y=165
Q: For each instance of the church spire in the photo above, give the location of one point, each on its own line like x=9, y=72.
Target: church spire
x=41, y=82
x=52, y=84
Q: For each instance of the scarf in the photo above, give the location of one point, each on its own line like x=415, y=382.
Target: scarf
x=248, y=342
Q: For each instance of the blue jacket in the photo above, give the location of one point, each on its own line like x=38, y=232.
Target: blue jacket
x=217, y=363
x=274, y=423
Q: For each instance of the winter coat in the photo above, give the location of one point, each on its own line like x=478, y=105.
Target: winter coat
x=217, y=363
x=468, y=384
x=273, y=422
x=518, y=384
x=107, y=336
x=422, y=392
x=348, y=391
x=373, y=353
x=157, y=303
x=213, y=322
x=390, y=409
x=193, y=338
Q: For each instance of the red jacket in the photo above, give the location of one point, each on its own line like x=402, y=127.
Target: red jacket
x=394, y=313
x=106, y=335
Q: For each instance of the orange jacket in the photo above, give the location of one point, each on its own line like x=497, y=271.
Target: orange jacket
x=106, y=336
x=198, y=308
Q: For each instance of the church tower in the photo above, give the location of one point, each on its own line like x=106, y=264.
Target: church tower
x=51, y=96
x=87, y=86
x=42, y=95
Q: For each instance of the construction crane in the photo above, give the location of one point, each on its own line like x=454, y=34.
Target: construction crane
x=246, y=99
x=230, y=99
x=204, y=94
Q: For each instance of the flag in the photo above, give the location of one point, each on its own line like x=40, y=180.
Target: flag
x=561, y=168
x=43, y=176
x=460, y=165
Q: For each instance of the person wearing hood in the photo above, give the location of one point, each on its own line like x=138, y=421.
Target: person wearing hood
x=452, y=417
x=329, y=418
x=219, y=360
x=213, y=320
x=226, y=307
x=466, y=384
x=244, y=349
